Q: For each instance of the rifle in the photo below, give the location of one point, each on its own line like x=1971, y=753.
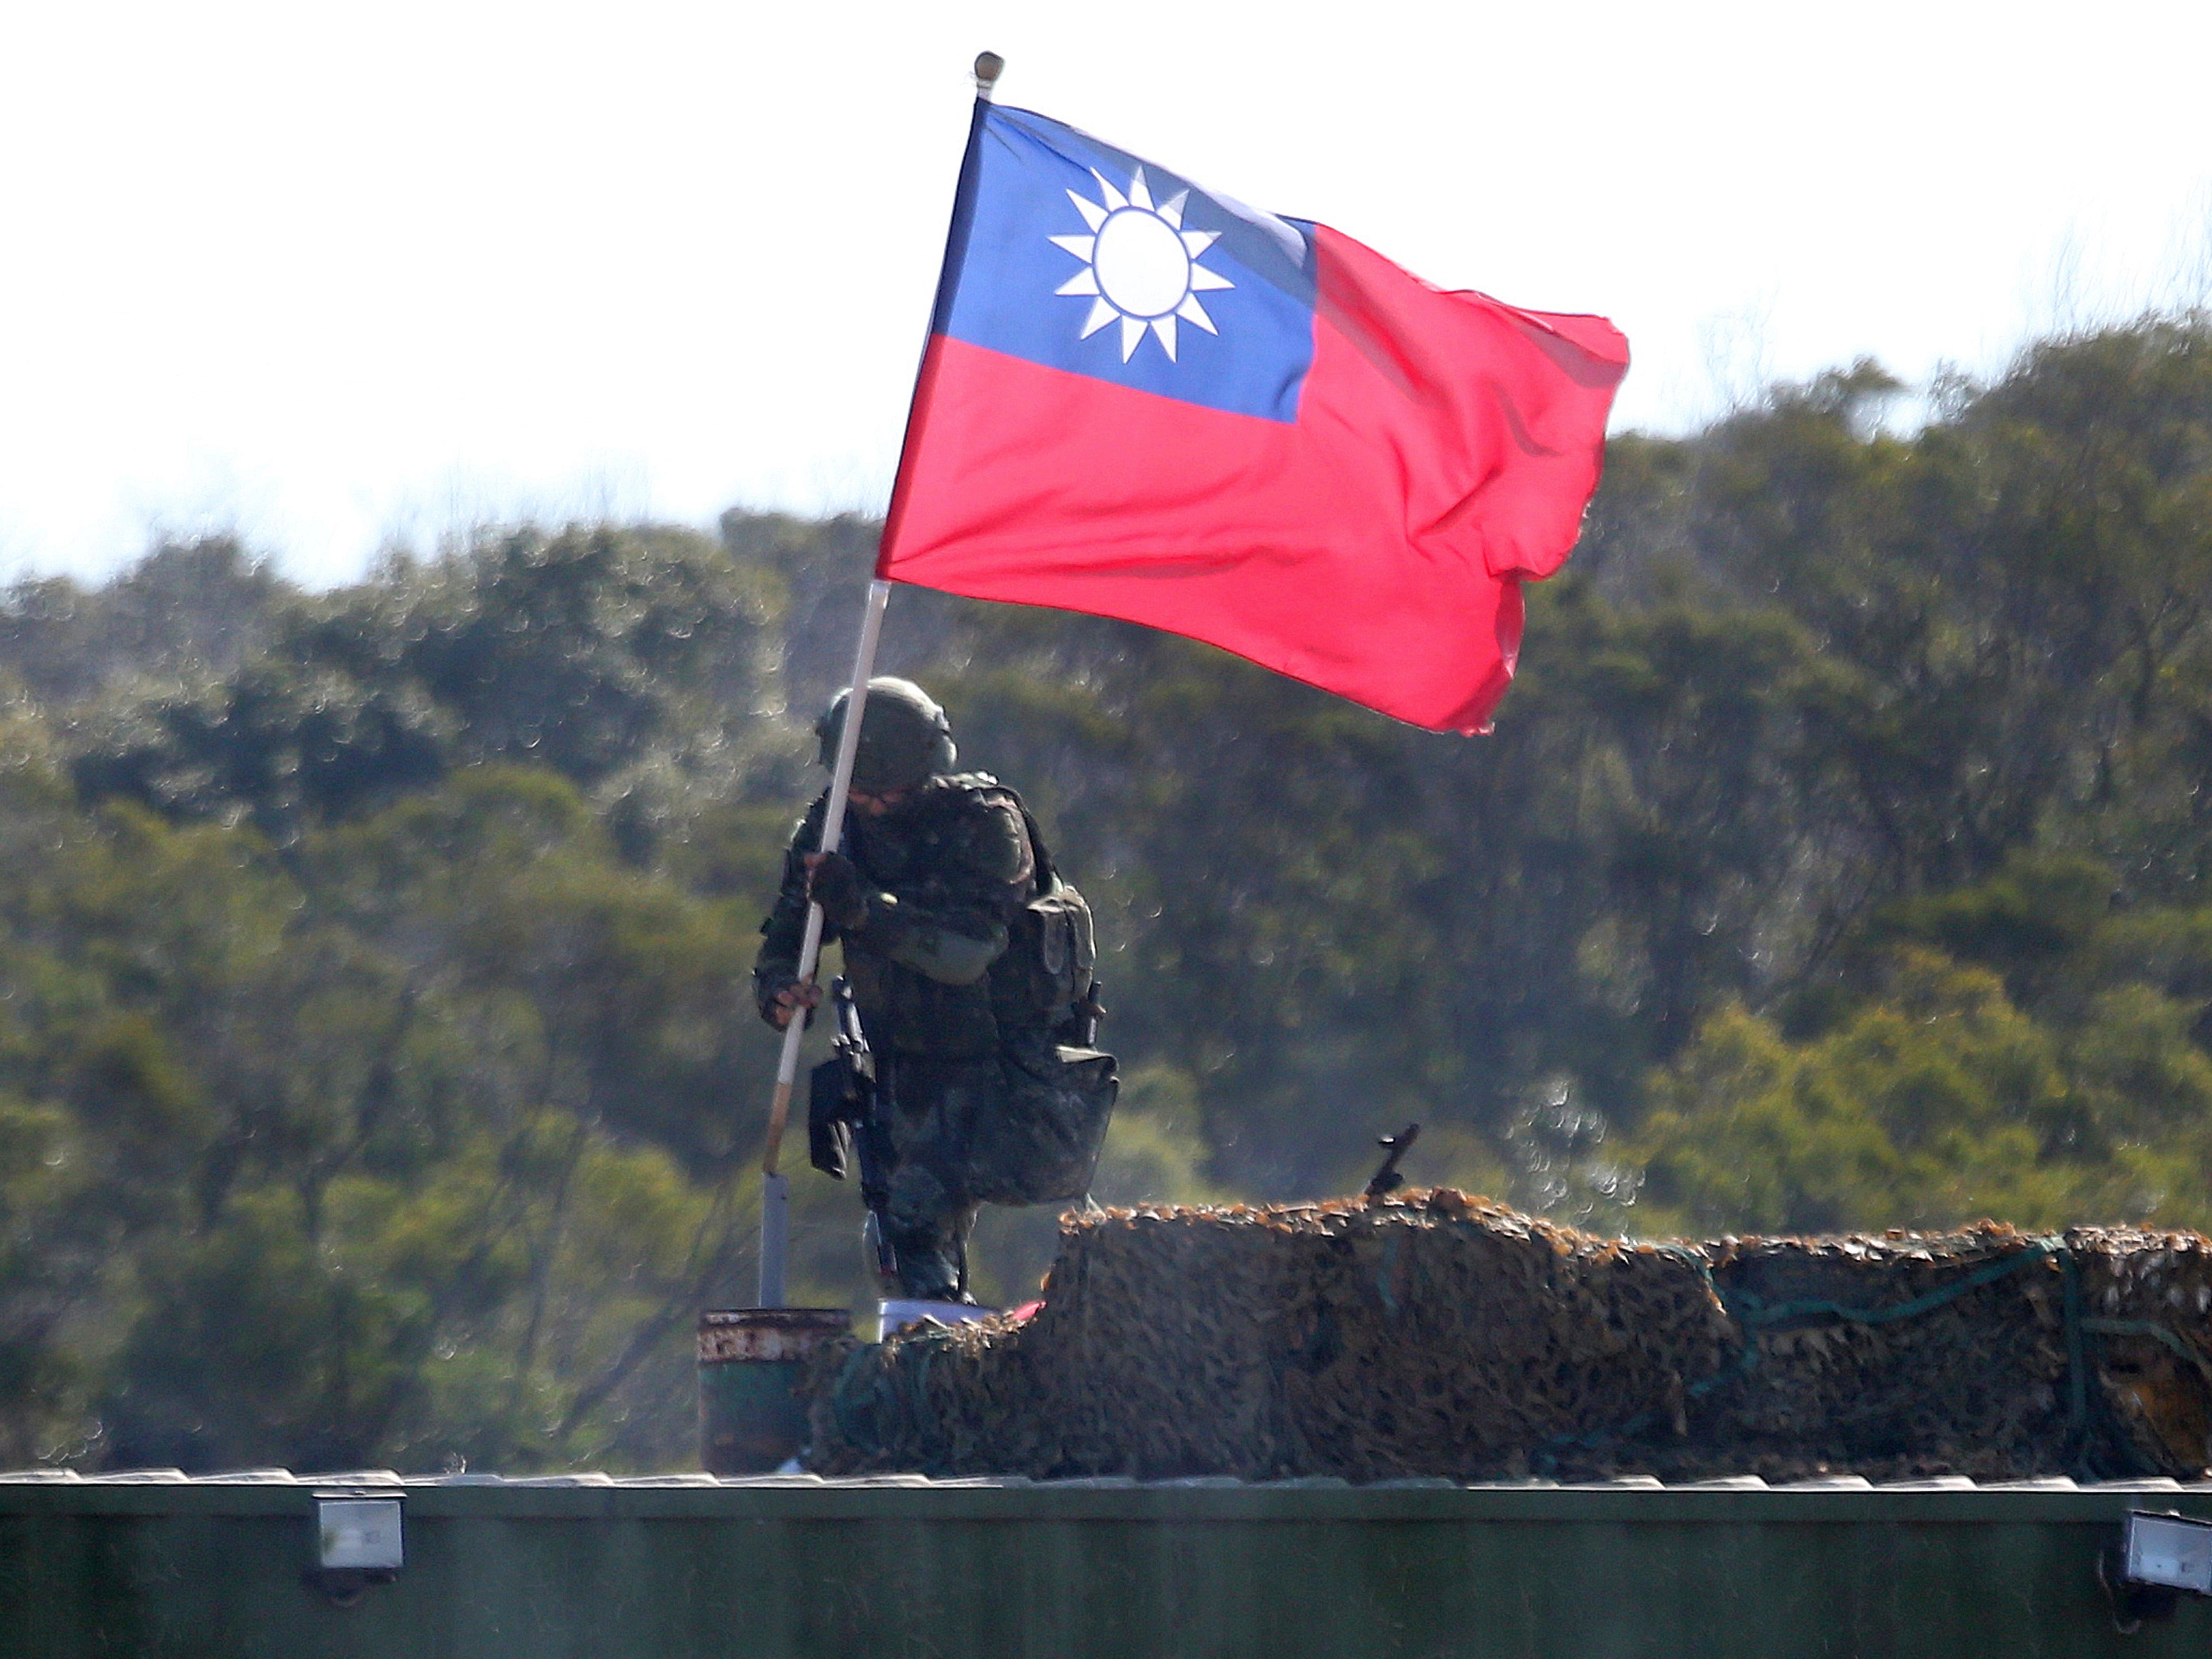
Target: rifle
x=1387, y=1179
x=845, y=1122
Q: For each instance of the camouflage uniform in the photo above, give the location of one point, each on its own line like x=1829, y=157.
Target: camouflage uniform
x=947, y=871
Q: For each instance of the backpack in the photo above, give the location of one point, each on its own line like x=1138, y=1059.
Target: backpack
x=1055, y=932
x=1045, y=980
x=1041, y=1146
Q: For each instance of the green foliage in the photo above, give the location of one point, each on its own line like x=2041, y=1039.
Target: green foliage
x=635, y=663
x=1925, y=1103
x=414, y=1146
x=378, y=1083
x=2014, y=1048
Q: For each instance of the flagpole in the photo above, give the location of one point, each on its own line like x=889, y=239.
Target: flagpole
x=776, y=1187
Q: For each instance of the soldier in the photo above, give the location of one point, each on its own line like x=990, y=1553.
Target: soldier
x=969, y=962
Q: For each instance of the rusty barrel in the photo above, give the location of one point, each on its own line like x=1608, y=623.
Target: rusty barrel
x=751, y=1419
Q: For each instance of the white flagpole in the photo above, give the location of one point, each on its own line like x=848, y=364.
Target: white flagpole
x=776, y=1187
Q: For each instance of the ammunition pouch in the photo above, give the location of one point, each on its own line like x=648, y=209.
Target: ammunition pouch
x=1041, y=1145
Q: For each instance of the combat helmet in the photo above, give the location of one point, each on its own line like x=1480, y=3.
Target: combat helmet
x=904, y=736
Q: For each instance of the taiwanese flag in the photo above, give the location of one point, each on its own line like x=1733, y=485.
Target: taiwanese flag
x=1140, y=400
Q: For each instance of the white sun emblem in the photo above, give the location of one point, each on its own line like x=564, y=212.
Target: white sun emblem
x=1140, y=264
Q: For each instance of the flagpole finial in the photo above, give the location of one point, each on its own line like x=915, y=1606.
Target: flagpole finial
x=989, y=66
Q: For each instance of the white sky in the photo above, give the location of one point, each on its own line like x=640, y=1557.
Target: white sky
x=331, y=275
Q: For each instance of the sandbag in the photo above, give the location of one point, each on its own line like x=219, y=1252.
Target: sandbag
x=1432, y=1334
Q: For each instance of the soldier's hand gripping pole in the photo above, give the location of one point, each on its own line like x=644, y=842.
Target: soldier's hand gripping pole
x=776, y=1190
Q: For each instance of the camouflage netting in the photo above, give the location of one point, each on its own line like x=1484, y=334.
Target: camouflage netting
x=1433, y=1334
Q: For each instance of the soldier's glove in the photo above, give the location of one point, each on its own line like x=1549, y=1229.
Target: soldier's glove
x=834, y=883
x=781, y=999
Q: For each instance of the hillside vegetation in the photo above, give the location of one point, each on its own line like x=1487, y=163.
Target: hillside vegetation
x=379, y=1085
